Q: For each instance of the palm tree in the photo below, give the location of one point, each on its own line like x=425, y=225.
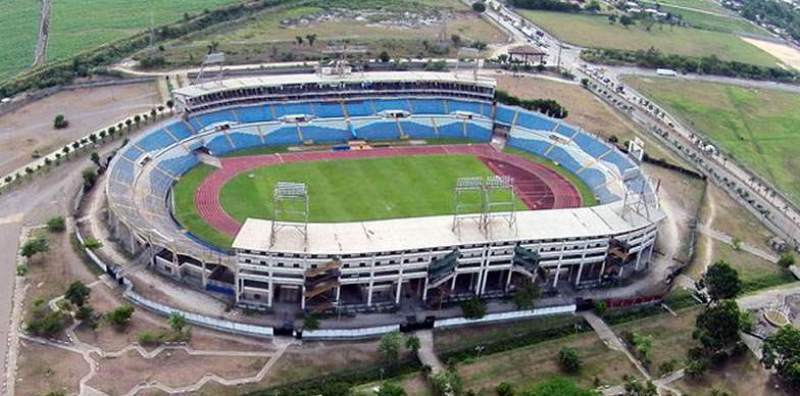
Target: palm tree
x=311, y=38
x=299, y=40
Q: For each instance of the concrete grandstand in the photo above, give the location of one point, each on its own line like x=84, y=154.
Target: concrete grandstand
x=376, y=265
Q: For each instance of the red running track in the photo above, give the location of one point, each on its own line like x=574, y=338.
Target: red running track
x=537, y=186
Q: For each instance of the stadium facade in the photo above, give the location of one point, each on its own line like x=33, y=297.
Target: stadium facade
x=375, y=265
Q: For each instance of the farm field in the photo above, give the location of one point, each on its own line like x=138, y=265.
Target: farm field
x=758, y=127
x=78, y=25
x=720, y=23
x=19, y=26
x=596, y=32
x=265, y=36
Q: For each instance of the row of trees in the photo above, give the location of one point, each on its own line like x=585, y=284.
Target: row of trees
x=711, y=64
x=547, y=5
x=549, y=107
x=778, y=13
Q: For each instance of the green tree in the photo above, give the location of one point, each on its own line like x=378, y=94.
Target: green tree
x=626, y=21
x=722, y=281
x=86, y=314
x=717, y=328
x=478, y=6
x=56, y=224
x=781, y=350
x=310, y=322
x=95, y=158
x=504, y=389
x=526, y=295
x=390, y=388
x=299, y=40
x=413, y=343
x=559, y=386
x=34, y=246
x=384, y=57
x=643, y=344
x=59, y=122
x=568, y=360
x=311, y=38
x=120, y=316
x=636, y=388
x=177, y=322
x=92, y=244
x=473, y=308
x=786, y=260
x=390, y=345
x=77, y=293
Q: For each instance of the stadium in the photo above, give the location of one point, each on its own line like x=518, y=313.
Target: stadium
x=363, y=192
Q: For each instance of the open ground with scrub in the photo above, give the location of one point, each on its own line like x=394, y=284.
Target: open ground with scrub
x=19, y=25
x=756, y=126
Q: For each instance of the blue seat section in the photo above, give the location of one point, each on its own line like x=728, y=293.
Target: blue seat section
x=253, y=114
x=418, y=129
x=619, y=160
x=535, y=121
x=463, y=105
x=292, y=109
x=593, y=177
x=427, y=106
x=123, y=171
x=565, y=130
x=359, y=108
x=219, y=145
x=328, y=110
x=561, y=156
x=391, y=104
x=217, y=117
x=590, y=145
x=180, y=130
x=178, y=165
x=325, y=134
x=454, y=128
x=244, y=140
x=283, y=136
x=160, y=183
x=530, y=145
x=604, y=195
x=504, y=115
x=479, y=132
x=132, y=153
x=155, y=141
x=378, y=130
x=486, y=110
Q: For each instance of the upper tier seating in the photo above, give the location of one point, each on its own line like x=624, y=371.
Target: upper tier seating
x=219, y=145
x=590, y=145
x=326, y=133
x=292, y=109
x=505, y=114
x=427, y=106
x=252, y=114
x=242, y=139
x=534, y=121
x=328, y=110
x=377, y=130
x=359, y=108
x=463, y=105
x=180, y=130
x=418, y=128
x=391, y=104
x=155, y=141
x=178, y=165
x=282, y=136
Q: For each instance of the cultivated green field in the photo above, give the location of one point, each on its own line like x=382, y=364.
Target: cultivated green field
x=358, y=189
x=759, y=127
x=19, y=26
x=720, y=23
x=596, y=32
x=78, y=25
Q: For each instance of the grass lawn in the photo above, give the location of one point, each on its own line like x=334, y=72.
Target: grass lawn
x=525, y=367
x=758, y=127
x=719, y=23
x=357, y=189
x=596, y=32
x=78, y=25
x=19, y=27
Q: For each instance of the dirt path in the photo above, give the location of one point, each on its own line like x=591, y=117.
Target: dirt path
x=40, y=56
x=785, y=53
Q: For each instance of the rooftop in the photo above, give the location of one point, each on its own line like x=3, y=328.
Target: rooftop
x=436, y=231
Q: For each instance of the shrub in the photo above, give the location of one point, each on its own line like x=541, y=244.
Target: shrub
x=120, y=316
x=478, y=6
x=786, y=260
x=56, y=224
x=473, y=308
x=504, y=389
x=568, y=360
x=150, y=338
x=59, y=122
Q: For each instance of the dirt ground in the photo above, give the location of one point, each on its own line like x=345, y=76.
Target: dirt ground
x=43, y=369
x=787, y=54
x=742, y=375
x=672, y=336
x=173, y=367
x=31, y=127
x=585, y=110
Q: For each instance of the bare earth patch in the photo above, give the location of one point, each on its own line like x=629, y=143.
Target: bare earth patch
x=43, y=369
x=787, y=54
x=31, y=127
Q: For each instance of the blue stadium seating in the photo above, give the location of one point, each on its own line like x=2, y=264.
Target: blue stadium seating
x=328, y=110
x=604, y=195
x=590, y=145
x=418, y=130
x=534, y=121
x=324, y=134
x=243, y=140
x=155, y=141
x=216, y=117
x=378, y=130
x=160, y=183
x=132, y=153
x=564, y=159
x=123, y=171
x=292, y=109
x=284, y=136
x=592, y=177
x=219, y=145
x=479, y=132
x=359, y=108
x=505, y=115
x=619, y=160
x=391, y=104
x=180, y=130
x=534, y=146
x=463, y=105
x=253, y=114
x=427, y=106
x=178, y=165
x=565, y=130
x=455, y=128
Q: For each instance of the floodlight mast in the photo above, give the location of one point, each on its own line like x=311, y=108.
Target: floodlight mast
x=290, y=210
